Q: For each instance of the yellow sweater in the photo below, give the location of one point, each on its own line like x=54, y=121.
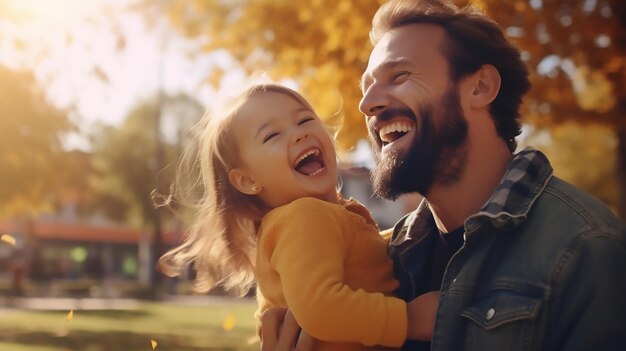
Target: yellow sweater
x=328, y=264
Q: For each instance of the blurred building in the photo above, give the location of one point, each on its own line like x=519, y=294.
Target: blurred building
x=79, y=254
x=74, y=252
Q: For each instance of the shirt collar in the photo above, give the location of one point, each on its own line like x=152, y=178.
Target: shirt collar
x=524, y=180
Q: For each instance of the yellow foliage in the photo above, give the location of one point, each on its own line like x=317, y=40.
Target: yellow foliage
x=322, y=44
x=6, y=238
x=34, y=166
x=216, y=77
x=593, y=90
x=585, y=155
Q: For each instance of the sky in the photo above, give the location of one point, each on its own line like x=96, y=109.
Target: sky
x=75, y=49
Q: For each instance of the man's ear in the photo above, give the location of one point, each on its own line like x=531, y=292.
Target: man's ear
x=243, y=182
x=485, y=86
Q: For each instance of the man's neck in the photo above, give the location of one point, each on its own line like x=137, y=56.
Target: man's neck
x=452, y=204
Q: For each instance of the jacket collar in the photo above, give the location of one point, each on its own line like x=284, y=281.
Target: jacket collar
x=525, y=178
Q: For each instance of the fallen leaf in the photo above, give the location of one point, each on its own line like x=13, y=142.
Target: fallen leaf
x=62, y=331
x=153, y=343
x=252, y=340
x=8, y=239
x=229, y=322
x=70, y=315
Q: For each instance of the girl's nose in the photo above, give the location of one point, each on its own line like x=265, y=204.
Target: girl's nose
x=301, y=136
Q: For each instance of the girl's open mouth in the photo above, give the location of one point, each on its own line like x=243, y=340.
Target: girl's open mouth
x=310, y=163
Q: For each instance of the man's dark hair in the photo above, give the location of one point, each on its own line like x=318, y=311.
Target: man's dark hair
x=472, y=40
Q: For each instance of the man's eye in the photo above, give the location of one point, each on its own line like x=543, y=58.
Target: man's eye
x=305, y=119
x=400, y=76
x=269, y=136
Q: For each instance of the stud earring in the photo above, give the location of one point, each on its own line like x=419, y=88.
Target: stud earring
x=255, y=188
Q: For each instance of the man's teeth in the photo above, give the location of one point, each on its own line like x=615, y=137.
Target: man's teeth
x=307, y=154
x=385, y=132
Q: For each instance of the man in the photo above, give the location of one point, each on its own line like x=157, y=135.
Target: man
x=523, y=260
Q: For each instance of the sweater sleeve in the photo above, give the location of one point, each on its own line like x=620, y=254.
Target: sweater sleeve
x=309, y=253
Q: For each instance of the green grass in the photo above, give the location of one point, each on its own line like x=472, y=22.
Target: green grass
x=174, y=327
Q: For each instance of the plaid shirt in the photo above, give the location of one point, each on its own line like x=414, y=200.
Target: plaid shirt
x=525, y=178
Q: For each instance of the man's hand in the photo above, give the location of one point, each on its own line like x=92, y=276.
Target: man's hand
x=281, y=332
x=271, y=324
x=421, y=314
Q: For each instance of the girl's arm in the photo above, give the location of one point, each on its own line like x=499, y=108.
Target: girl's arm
x=308, y=250
x=280, y=332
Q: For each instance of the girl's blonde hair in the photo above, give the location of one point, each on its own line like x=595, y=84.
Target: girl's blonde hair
x=220, y=243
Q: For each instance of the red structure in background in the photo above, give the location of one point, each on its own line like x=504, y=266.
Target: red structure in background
x=89, y=254
x=78, y=232
x=50, y=251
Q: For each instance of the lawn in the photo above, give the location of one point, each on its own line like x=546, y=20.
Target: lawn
x=224, y=326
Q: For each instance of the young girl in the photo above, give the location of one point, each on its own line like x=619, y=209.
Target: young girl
x=266, y=206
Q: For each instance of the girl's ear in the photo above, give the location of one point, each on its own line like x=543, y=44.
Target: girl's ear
x=485, y=86
x=242, y=182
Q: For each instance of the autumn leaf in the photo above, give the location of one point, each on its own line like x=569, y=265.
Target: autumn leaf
x=8, y=239
x=252, y=340
x=229, y=322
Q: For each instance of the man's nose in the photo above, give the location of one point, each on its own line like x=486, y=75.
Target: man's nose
x=373, y=101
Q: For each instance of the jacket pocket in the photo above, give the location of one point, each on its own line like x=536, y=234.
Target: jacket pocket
x=503, y=320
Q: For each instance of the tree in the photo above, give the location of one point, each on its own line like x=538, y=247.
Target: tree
x=575, y=50
x=34, y=167
x=577, y=54
x=125, y=160
x=572, y=147
x=323, y=44
x=131, y=161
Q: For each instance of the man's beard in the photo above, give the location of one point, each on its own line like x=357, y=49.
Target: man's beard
x=437, y=153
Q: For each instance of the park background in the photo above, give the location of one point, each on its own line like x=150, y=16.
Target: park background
x=96, y=98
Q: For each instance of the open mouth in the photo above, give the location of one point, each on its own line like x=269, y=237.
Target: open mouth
x=310, y=163
x=394, y=131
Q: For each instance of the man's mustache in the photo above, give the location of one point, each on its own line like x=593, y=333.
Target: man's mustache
x=387, y=115
x=394, y=112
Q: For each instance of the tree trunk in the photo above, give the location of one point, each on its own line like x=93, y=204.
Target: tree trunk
x=621, y=171
x=157, y=239
x=157, y=250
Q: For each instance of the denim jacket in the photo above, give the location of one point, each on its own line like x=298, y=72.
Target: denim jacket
x=543, y=267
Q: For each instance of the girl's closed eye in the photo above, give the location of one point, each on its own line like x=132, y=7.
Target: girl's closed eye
x=269, y=136
x=305, y=119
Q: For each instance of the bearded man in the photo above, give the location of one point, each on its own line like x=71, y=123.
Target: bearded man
x=522, y=259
